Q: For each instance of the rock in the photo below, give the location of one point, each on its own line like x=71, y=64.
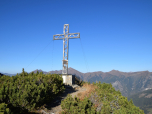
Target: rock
x=75, y=86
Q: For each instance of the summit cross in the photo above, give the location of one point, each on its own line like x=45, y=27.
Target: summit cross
x=65, y=36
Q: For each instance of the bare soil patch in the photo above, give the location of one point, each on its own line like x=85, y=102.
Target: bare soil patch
x=54, y=107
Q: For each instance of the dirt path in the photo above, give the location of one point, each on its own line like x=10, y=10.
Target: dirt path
x=55, y=106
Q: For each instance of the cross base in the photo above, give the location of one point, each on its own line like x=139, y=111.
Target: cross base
x=68, y=79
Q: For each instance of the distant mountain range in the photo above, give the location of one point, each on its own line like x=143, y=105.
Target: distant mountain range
x=7, y=74
x=128, y=83
x=143, y=100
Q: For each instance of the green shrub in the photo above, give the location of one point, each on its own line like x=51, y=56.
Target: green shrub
x=114, y=102
x=75, y=106
x=108, y=99
x=29, y=91
x=4, y=109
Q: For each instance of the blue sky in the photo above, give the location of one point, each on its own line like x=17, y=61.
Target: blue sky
x=115, y=34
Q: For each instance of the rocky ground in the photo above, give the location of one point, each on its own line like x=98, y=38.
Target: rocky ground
x=55, y=106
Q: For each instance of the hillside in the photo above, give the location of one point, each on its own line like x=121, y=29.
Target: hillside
x=143, y=100
x=35, y=92
x=98, y=99
x=128, y=83
x=25, y=92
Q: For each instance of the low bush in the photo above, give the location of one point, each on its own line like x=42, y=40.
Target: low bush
x=4, y=109
x=28, y=91
x=75, y=106
x=103, y=99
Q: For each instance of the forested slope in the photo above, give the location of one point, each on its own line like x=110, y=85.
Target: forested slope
x=143, y=100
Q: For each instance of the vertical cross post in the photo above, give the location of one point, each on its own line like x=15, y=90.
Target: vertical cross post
x=65, y=49
x=65, y=36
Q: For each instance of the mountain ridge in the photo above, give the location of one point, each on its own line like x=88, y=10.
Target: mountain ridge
x=128, y=83
x=72, y=69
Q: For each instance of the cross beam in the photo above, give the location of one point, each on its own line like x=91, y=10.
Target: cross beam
x=65, y=36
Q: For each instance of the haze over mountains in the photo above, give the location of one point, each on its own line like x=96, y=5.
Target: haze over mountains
x=128, y=83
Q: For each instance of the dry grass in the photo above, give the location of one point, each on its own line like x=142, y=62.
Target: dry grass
x=60, y=112
x=89, y=89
